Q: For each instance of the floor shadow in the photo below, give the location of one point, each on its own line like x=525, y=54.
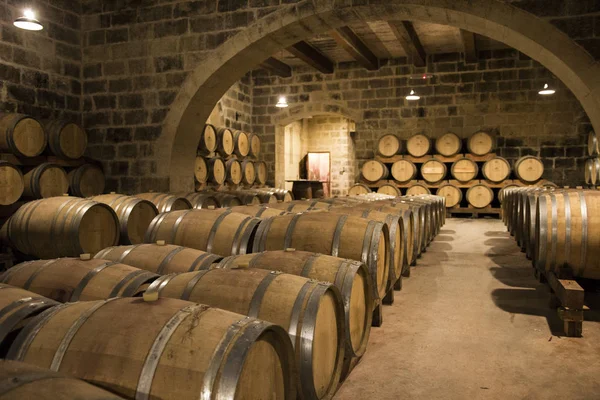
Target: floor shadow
x=444, y=238
x=497, y=234
x=447, y=232
x=505, y=242
x=439, y=246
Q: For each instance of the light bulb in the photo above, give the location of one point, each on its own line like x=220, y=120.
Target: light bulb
x=412, y=96
x=28, y=21
x=547, y=91
x=28, y=13
x=282, y=103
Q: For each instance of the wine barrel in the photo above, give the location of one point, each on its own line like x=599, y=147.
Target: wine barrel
x=208, y=140
x=480, y=196
x=44, y=181
x=63, y=227
x=594, y=171
x=87, y=180
x=254, y=145
x=417, y=189
x=248, y=172
x=225, y=200
x=264, y=197
x=351, y=278
x=587, y=171
x=298, y=206
x=13, y=184
x=261, y=172
x=166, y=349
x=310, y=311
x=20, y=381
x=374, y=170
x=404, y=171
x=282, y=195
x=22, y=135
x=529, y=169
x=166, y=202
x=200, y=200
x=433, y=171
x=234, y=171
x=200, y=170
x=65, y=139
x=389, y=189
x=464, y=170
x=17, y=308
x=418, y=145
x=359, y=189
x=337, y=235
x=592, y=144
x=388, y=145
x=78, y=279
x=241, y=142
x=248, y=198
x=215, y=231
x=259, y=211
x=134, y=215
x=451, y=193
x=448, y=144
x=496, y=170
x=480, y=143
x=216, y=170
x=160, y=258
x=503, y=191
x=225, y=142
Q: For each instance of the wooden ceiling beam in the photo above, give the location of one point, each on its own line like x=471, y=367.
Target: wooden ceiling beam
x=409, y=40
x=469, y=45
x=312, y=57
x=277, y=67
x=349, y=41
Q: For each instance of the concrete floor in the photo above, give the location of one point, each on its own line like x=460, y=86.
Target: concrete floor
x=472, y=323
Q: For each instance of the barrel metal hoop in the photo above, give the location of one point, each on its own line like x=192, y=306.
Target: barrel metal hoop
x=543, y=239
x=366, y=242
x=31, y=278
x=177, y=224
x=102, y=253
x=290, y=231
x=554, y=230
x=31, y=307
x=245, y=240
x=87, y=278
x=584, y=232
x=167, y=259
x=567, y=227
x=152, y=231
x=85, y=206
x=123, y=282
x=261, y=211
x=259, y=294
x=135, y=283
x=160, y=283
x=366, y=213
x=255, y=259
x=128, y=251
x=213, y=230
x=335, y=246
x=16, y=304
x=189, y=288
x=235, y=246
x=261, y=234
x=297, y=310
x=341, y=273
x=373, y=254
x=55, y=224
x=200, y=262
x=5, y=277
x=25, y=238
x=308, y=265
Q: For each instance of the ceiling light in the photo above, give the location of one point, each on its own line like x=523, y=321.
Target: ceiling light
x=412, y=96
x=28, y=21
x=547, y=91
x=282, y=103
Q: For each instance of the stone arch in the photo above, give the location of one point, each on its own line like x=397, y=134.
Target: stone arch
x=493, y=18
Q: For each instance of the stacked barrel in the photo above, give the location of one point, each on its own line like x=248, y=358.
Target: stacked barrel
x=471, y=179
x=592, y=164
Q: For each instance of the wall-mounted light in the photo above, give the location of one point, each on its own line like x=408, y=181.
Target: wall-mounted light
x=547, y=91
x=413, y=96
x=28, y=21
x=282, y=103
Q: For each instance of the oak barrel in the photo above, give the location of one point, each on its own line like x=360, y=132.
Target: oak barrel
x=167, y=349
x=247, y=198
x=216, y=170
x=248, y=172
x=233, y=171
x=480, y=196
x=254, y=145
x=44, y=181
x=358, y=189
x=448, y=144
x=506, y=188
x=78, y=279
x=433, y=171
x=529, y=169
x=311, y=311
x=208, y=140
x=66, y=139
x=225, y=199
x=496, y=170
x=451, y=193
x=160, y=258
x=166, y=202
x=404, y=171
x=201, y=170
x=264, y=196
x=22, y=135
x=200, y=199
x=388, y=145
x=464, y=170
x=592, y=144
x=594, y=171
x=480, y=143
x=261, y=172
x=282, y=195
x=12, y=184
x=87, y=180
x=134, y=215
x=418, y=145
x=417, y=189
x=63, y=227
x=260, y=211
x=241, y=142
x=215, y=231
x=374, y=170
x=389, y=189
x=298, y=206
x=225, y=142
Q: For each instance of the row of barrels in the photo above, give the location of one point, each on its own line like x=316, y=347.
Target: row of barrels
x=218, y=171
x=527, y=169
x=449, y=144
x=556, y=228
x=323, y=301
x=227, y=142
x=592, y=171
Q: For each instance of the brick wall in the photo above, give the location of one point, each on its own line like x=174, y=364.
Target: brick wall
x=234, y=110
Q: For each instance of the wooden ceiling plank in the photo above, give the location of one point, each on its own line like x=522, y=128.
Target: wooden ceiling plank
x=311, y=56
x=277, y=67
x=349, y=40
x=470, y=47
x=409, y=40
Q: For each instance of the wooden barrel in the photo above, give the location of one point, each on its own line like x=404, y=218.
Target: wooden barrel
x=358, y=189
x=201, y=170
x=234, y=171
x=63, y=227
x=208, y=140
x=200, y=200
x=388, y=145
x=12, y=183
x=374, y=170
x=249, y=198
x=351, y=278
x=413, y=221
x=451, y=193
x=496, y=170
x=417, y=189
x=166, y=202
x=45, y=180
x=503, y=191
x=389, y=189
x=78, y=279
x=418, y=145
x=592, y=144
x=259, y=211
x=337, y=235
x=17, y=308
x=529, y=168
x=594, y=171
x=254, y=145
x=464, y=170
x=225, y=142
x=282, y=195
x=20, y=381
x=298, y=206
x=448, y=144
x=241, y=142
x=215, y=231
x=87, y=180
x=166, y=349
x=480, y=143
x=22, y=135
x=261, y=172
x=216, y=170
x=226, y=200
x=480, y=196
x=248, y=172
x=433, y=171
x=404, y=171
x=160, y=258
x=587, y=171
x=265, y=197
x=310, y=311
x=135, y=215
x=66, y=139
